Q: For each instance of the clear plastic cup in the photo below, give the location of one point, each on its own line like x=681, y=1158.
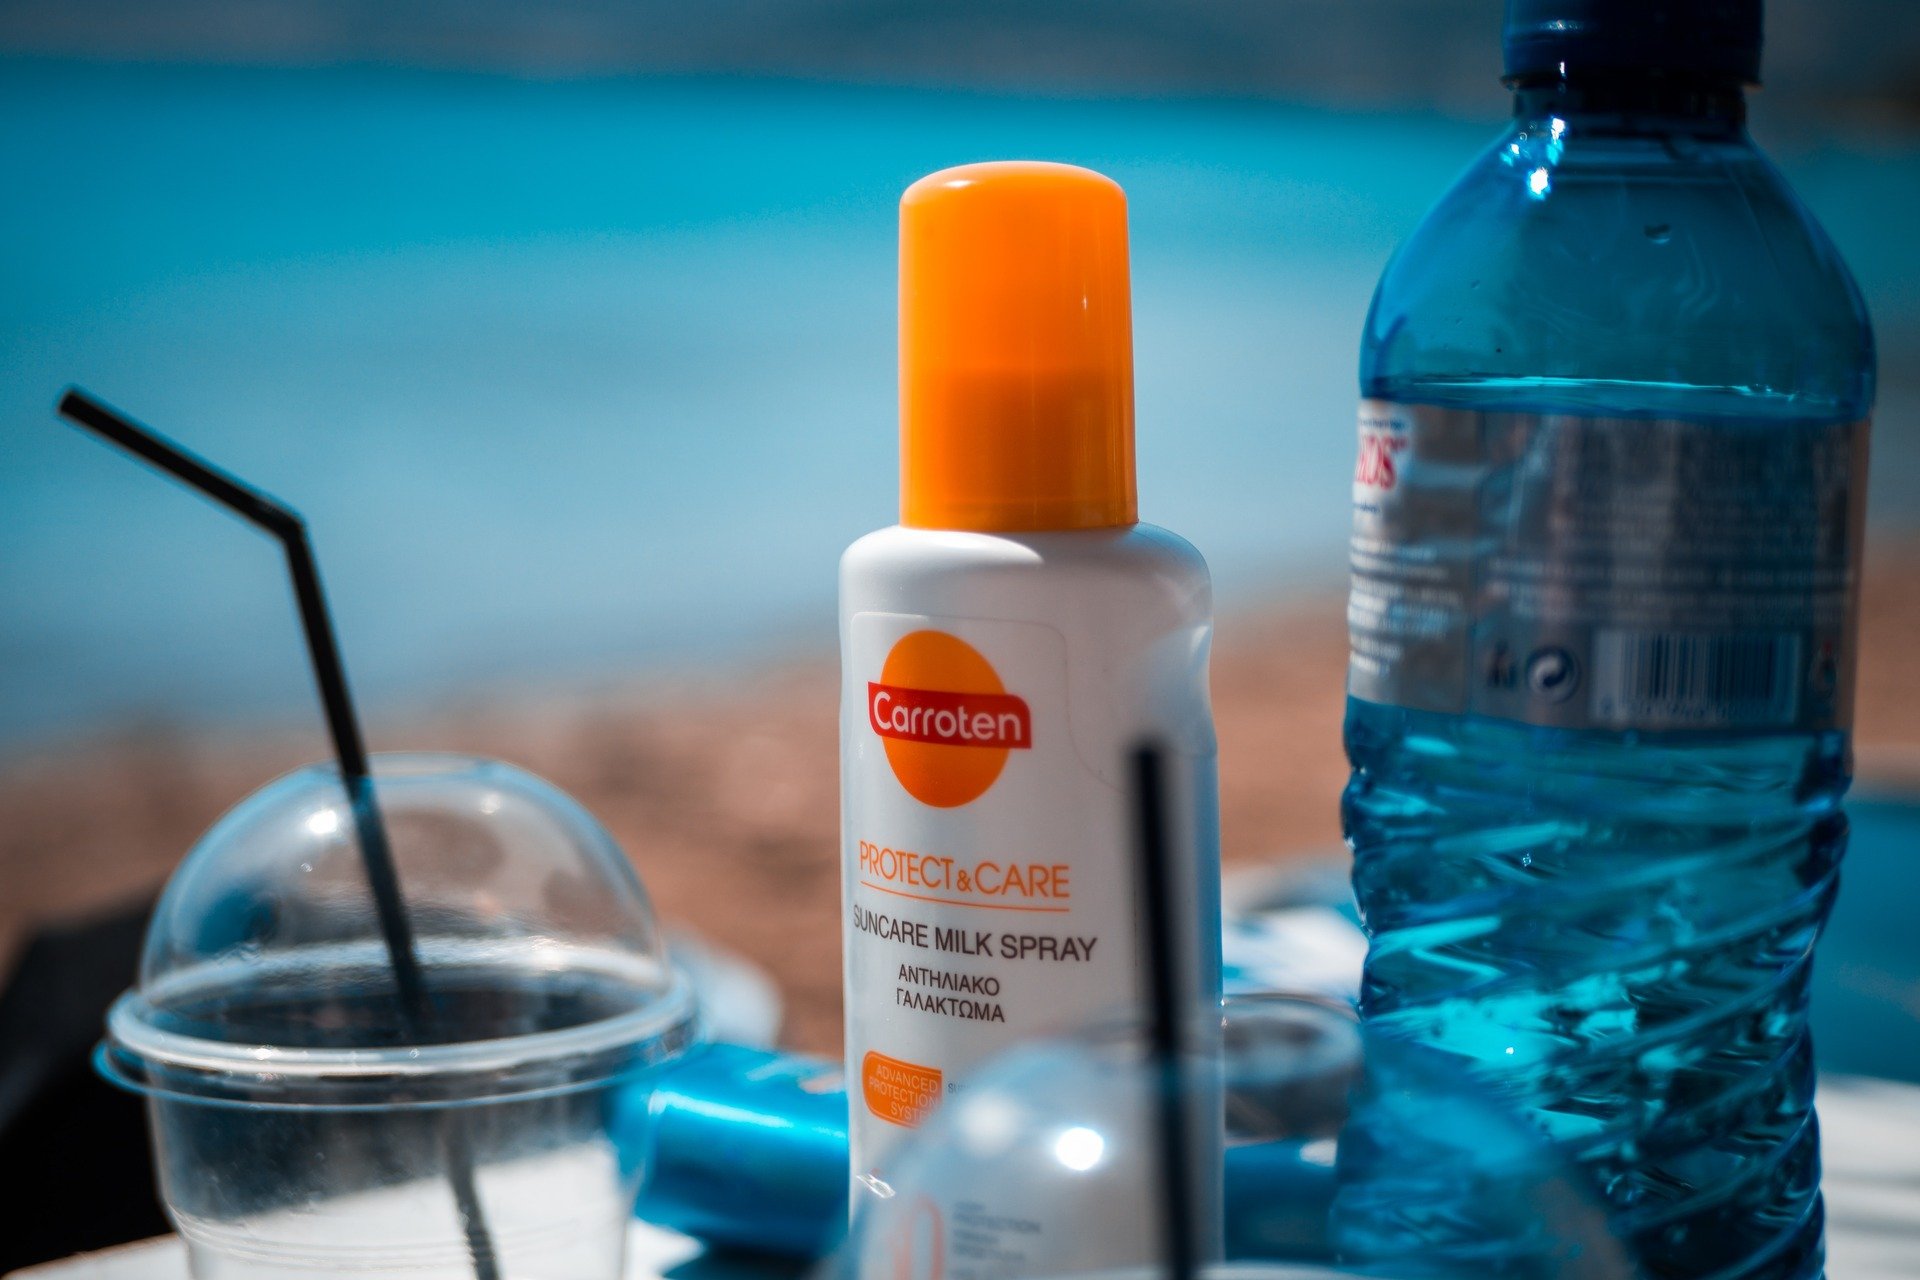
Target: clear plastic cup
x=1345, y=1154
x=302, y=1128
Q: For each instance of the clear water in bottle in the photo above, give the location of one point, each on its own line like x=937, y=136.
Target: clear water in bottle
x=1606, y=546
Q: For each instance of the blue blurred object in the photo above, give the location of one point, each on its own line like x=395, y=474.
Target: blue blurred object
x=1296, y=930
x=742, y=1147
x=747, y=1149
x=1866, y=985
x=1277, y=1196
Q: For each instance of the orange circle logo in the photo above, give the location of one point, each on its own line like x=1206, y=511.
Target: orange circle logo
x=947, y=722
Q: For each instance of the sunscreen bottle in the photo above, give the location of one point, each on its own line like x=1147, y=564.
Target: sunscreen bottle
x=1002, y=649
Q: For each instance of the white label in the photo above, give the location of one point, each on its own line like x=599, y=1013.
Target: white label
x=987, y=867
x=1614, y=573
x=991, y=898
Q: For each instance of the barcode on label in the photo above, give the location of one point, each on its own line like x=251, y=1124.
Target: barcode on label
x=1677, y=679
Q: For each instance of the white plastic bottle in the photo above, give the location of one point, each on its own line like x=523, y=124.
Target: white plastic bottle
x=1003, y=648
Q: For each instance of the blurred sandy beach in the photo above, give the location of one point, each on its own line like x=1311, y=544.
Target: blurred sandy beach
x=724, y=789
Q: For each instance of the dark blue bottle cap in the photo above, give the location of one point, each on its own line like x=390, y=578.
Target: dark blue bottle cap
x=1713, y=38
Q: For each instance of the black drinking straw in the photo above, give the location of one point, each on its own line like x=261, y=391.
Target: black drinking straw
x=1157, y=899
x=287, y=526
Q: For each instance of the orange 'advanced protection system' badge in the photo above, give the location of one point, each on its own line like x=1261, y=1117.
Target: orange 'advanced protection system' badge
x=898, y=1092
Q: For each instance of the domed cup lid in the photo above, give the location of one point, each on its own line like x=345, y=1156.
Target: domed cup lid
x=266, y=979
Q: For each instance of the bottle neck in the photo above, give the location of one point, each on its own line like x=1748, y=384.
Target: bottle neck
x=1628, y=102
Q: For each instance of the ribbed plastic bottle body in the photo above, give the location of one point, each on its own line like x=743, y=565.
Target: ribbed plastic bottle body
x=1610, y=914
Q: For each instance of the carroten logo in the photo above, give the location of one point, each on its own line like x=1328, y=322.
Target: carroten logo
x=946, y=720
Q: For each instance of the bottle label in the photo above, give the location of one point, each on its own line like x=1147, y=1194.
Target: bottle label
x=988, y=896
x=1606, y=573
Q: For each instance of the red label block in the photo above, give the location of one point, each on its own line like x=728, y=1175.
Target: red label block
x=995, y=720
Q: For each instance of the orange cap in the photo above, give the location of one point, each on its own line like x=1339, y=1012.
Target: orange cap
x=1016, y=350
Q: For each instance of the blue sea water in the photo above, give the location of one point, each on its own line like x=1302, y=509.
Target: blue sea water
x=580, y=377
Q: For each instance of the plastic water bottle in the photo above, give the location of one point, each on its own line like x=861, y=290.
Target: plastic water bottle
x=1605, y=558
